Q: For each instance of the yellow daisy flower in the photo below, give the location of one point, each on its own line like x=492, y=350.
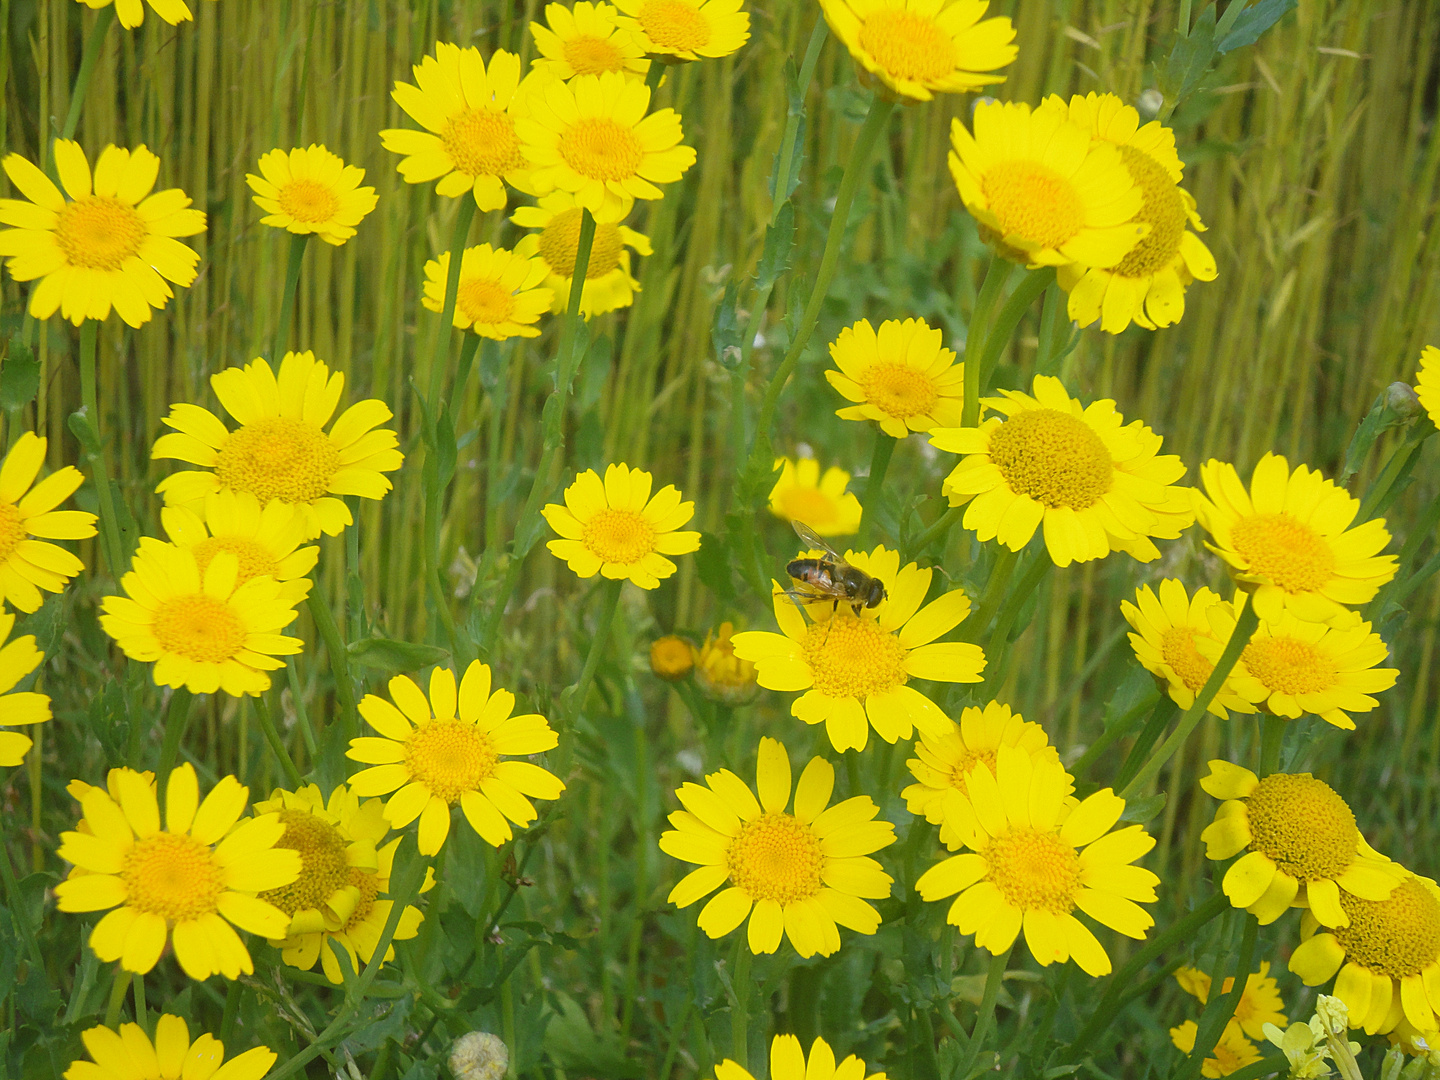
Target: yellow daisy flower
x=1043, y=190
x=280, y=451
x=915, y=49
x=1096, y=483
x=1232, y=1053
x=204, y=631
x=266, y=542
x=720, y=674
x=902, y=377
x=129, y=1053
x=183, y=884
x=1427, y=382
x=499, y=296
x=112, y=244
x=18, y=659
x=617, y=529
x=132, y=14
x=342, y=874
x=794, y=873
x=586, y=40
x=821, y=502
x=591, y=137
x=1260, y=1002
x=1034, y=859
x=608, y=284
x=1387, y=957
x=1291, y=668
x=1146, y=287
x=28, y=518
x=1288, y=540
x=676, y=30
x=1166, y=630
x=1298, y=834
x=787, y=1062
x=311, y=191
x=944, y=761
x=452, y=755
x=856, y=669
x=469, y=112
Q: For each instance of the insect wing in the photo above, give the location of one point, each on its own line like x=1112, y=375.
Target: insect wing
x=814, y=542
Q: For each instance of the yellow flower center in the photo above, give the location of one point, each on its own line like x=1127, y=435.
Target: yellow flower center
x=278, y=458
x=776, y=857
x=450, y=757
x=1055, y=458
x=899, y=390
x=1289, y=665
x=908, y=45
x=852, y=657
x=673, y=24
x=560, y=245
x=12, y=529
x=598, y=148
x=199, y=628
x=1286, y=551
x=1305, y=828
x=99, y=233
x=967, y=760
x=482, y=142
x=323, y=867
x=1033, y=202
x=810, y=505
x=1396, y=937
x=671, y=657
x=1161, y=207
x=369, y=886
x=619, y=536
x=172, y=875
x=253, y=559
x=485, y=301
x=1034, y=870
x=593, y=56
x=309, y=201
x=1177, y=648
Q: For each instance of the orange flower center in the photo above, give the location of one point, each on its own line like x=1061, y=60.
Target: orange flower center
x=253, y=559
x=1305, y=828
x=485, y=301
x=1162, y=207
x=1055, y=458
x=851, y=656
x=619, y=536
x=598, y=148
x=1399, y=936
x=172, y=875
x=199, y=628
x=674, y=24
x=1289, y=666
x=1033, y=202
x=908, y=45
x=450, y=757
x=1034, y=870
x=560, y=245
x=482, y=142
x=1177, y=648
x=1286, y=551
x=278, y=458
x=899, y=390
x=593, y=56
x=99, y=233
x=776, y=857
x=12, y=529
x=309, y=201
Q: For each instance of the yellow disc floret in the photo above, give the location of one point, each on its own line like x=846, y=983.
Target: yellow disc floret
x=1031, y=200
x=99, y=233
x=1303, y=825
x=172, y=875
x=674, y=25
x=775, y=857
x=1398, y=937
x=1162, y=208
x=278, y=458
x=1285, y=550
x=1053, y=457
x=1034, y=870
x=1289, y=666
x=323, y=866
x=852, y=657
x=450, y=757
x=199, y=628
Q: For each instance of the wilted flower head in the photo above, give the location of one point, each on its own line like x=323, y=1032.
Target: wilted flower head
x=722, y=675
x=479, y=1056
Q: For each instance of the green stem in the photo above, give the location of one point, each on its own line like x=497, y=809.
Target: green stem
x=177, y=719
x=978, y=621
x=1239, y=638
x=573, y=700
x=1112, y=734
x=653, y=74
x=1164, y=711
x=1423, y=530
x=996, y=275
x=287, y=299
x=277, y=747
x=339, y=661
x=118, y=989
x=1177, y=932
x=137, y=986
x=233, y=993
x=1271, y=740
x=875, y=484
x=1227, y=21
x=740, y=1016
x=876, y=123
x=1046, y=353
x=943, y=524
x=16, y=903
x=985, y=1016
x=1031, y=285
x=103, y=18
x=1377, y=500
x=307, y=729
x=452, y=290
x=110, y=544
x=1219, y=1012
x=1017, y=599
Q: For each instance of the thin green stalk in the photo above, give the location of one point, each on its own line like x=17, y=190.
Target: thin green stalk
x=277, y=747
x=876, y=123
x=1031, y=285
x=653, y=74
x=177, y=719
x=978, y=621
x=985, y=1015
x=1112, y=734
x=287, y=299
x=93, y=43
x=879, y=466
x=118, y=989
x=452, y=290
x=1048, y=349
x=137, y=987
x=996, y=274
x=1377, y=500
x=339, y=661
x=1227, y=21
x=1164, y=711
x=1424, y=529
x=297, y=695
x=943, y=524
x=234, y=991
x=1218, y=1012
x=573, y=699
x=740, y=1014
x=1239, y=638
x=16, y=903
x=1174, y=934
x=1271, y=740
x=110, y=545
x=1017, y=599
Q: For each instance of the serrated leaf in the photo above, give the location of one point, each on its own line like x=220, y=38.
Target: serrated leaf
x=779, y=241
x=387, y=654
x=1189, y=59
x=1138, y=811
x=1253, y=22
x=19, y=380
x=725, y=333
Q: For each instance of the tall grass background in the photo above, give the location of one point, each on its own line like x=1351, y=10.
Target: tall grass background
x=1313, y=159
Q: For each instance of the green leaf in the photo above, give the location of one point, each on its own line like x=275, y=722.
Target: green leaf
x=712, y=563
x=1138, y=811
x=1253, y=22
x=1189, y=59
x=19, y=380
x=725, y=332
x=386, y=654
x=779, y=241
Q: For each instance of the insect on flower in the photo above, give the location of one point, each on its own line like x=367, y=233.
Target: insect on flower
x=831, y=577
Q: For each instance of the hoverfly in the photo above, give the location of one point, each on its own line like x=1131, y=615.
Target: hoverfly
x=831, y=578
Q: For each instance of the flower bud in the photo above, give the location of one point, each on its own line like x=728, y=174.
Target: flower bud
x=671, y=657
x=1401, y=399
x=479, y=1056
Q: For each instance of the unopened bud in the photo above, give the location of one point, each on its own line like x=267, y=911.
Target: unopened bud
x=1150, y=102
x=1333, y=1013
x=479, y=1056
x=672, y=657
x=1401, y=399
